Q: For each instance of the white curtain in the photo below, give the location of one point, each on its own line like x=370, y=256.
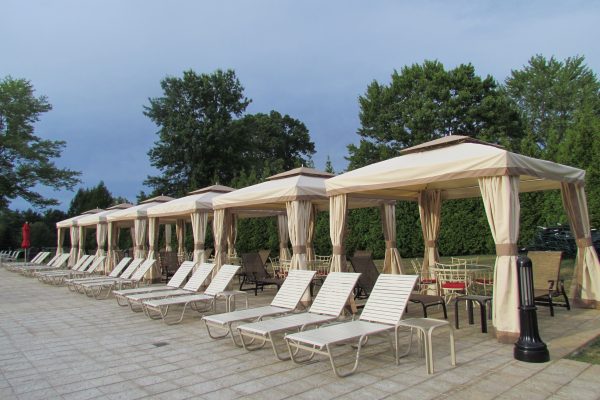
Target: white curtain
x=430, y=210
x=60, y=238
x=391, y=263
x=101, y=234
x=199, y=224
x=220, y=223
x=298, y=213
x=153, y=227
x=180, y=233
x=338, y=211
x=140, y=226
x=284, y=237
x=168, y=238
x=500, y=196
x=74, y=233
x=113, y=240
x=231, y=234
x=310, y=234
x=585, y=286
x=81, y=251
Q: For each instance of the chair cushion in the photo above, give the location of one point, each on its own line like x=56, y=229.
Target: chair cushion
x=453, y=285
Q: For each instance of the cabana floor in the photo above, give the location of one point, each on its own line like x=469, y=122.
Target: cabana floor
x=56, y=344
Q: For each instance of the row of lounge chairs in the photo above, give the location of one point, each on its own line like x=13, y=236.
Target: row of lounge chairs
x=279, y=325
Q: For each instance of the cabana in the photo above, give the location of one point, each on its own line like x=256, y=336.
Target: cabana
x=299, y=193
x=456, y=167
x=99, y=221
x=75, y=232
x=197, y=207
x=136, y=219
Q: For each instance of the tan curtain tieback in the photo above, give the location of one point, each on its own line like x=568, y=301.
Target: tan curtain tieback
x=390, y=244
x=338, y=251
x=199, y=245
x=507, y=249
x=584, y=242
x=430, y=243
x=299, y=249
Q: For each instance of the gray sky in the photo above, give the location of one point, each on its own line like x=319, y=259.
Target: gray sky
x=98, y=62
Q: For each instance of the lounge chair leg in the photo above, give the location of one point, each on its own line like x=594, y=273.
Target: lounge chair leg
x=336, y=370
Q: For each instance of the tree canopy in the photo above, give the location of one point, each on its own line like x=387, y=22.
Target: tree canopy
x=25, y=158
x=95, y=197
x=205, y=138
x=424, y=102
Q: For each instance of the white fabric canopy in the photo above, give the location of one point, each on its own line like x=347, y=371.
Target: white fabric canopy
x=101, y=234
x=60, y=239
x=168, y=238
x=180, y=233
x=199, y=224
x=430, y=209
x=140, y=226
x=113, y=240
x=338, y=214
x=74, y=232
x=201, y=199
x=391, y=262
x=284, y=237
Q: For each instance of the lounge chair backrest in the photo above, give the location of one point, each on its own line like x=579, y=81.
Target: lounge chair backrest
x=294, y=286
x=199, y=277
x=388, y=300
x=182, y=272
x=119, y=267
x=264, y=255
x=41, y=259
x=546, y=267
x=37, y=257
x=334, y=293
x=254, y=267
x=62, y=260
x=79, y=262
x=141, y=271
x=368, y=271
x=52, y=260
x=86, y=264
x=221, y=280
x=98, y=261
x=135, y=264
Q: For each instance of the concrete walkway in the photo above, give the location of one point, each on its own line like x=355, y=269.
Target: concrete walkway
x=57, y=344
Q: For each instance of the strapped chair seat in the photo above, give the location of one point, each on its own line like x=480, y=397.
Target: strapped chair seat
x=286, y=300
x=547, y=284
x=327, y=307
x=159, y=308
x=136, y=296
x=74, y=284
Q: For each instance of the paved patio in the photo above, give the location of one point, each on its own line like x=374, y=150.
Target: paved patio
x=56, y=344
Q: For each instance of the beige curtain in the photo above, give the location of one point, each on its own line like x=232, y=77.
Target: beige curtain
x=310, y=234
x=101, y=234
x=81, y=251
x=199, y=224
x=113, y=240
x=231, y=235
x=180, y=233
x=338, y=212
x=284, y=237
x=168, y=238
x=220, y=223
x=430, y=209
x=140, y=226
x=500, y=196
x=391, y=263
x=60, y=239
x=585, y=287
x=153, y=227
x=74, y=233
x=298, y=213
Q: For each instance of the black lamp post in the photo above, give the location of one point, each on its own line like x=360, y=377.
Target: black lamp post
x=529, y=347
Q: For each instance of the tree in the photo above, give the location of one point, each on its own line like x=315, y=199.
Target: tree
x=329, y=166
x=426, y=102
x=195, y=146
x=88, y=199
x=25, y=158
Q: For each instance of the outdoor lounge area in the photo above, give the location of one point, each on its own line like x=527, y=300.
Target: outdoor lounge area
x=56, y=344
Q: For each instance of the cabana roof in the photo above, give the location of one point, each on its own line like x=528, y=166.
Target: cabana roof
x=197, y=200
x=453, y=165
x=296, y=184
x=74, y=221
x=139, y=211
x=102, y=216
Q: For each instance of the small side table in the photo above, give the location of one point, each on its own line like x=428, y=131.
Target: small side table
x=481, y=300
x=230, y=298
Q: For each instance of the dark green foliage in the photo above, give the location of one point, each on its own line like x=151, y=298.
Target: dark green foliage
x=464, y=228
x=88, y=199
x=25, y=158
x=43, y=227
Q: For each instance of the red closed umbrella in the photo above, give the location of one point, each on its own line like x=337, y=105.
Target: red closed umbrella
x=25, y=244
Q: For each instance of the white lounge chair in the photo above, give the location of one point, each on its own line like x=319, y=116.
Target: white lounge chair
x=74, y=283
x=103, y=288
x=286, y=300
x=37, y=260
x=57, y=263
x=327, y=307
x=382, y=315
x=44, y=275
x=59, y=278
x=134, y=297
x=160, y=307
